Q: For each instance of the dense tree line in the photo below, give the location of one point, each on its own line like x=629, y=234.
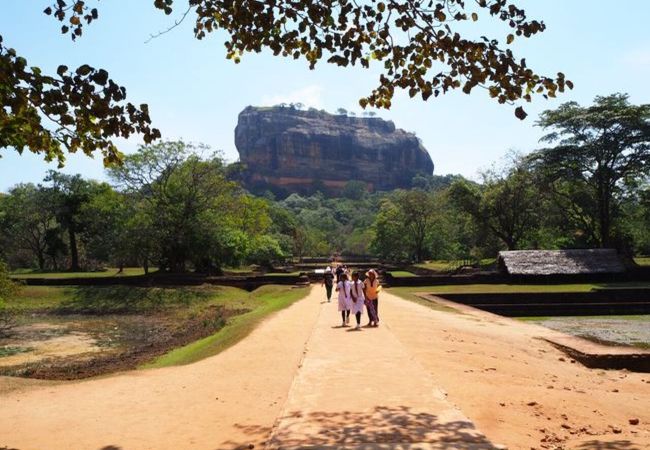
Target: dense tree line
x=180, y=207
x=590, y=190
x=171, y=204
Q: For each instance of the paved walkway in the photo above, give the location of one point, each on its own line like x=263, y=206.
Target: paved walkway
x=364, y=390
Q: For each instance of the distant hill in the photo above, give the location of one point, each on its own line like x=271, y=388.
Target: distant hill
x=289, y=150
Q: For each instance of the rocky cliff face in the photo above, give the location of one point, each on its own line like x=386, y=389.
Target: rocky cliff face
x=298, y=150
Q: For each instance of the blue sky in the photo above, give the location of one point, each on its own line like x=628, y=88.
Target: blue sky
x=194, y=93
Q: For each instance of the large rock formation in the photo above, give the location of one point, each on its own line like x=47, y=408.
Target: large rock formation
x=298, y=151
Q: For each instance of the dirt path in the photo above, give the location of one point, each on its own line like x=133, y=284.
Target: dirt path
x=302, y=382
x=518, y=389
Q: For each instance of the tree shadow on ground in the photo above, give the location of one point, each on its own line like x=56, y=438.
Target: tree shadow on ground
x=611, y=445
x=126, y=299
x=397, y=428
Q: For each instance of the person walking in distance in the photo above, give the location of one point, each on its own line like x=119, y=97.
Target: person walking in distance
x=358, y=299
x=345, y=300
x=371, y=290
x=338, y=272
x=328, y=281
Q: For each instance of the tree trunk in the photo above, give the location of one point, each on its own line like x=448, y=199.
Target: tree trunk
x=419, y=253
x=604, y=217
x=74, y=253
x=605, y=223
x=41, y=261
x=145, y=265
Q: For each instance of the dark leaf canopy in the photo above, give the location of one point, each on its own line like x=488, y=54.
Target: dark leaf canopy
x=417, y=44
x=80, y=109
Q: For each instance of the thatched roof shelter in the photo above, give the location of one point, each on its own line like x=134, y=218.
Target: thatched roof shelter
x=560, y=262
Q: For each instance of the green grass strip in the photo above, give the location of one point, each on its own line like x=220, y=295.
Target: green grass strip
x=270, y=299
x=408, y=293
x=402, y=274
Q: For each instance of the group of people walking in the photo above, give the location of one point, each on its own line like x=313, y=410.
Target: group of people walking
x=354, y=294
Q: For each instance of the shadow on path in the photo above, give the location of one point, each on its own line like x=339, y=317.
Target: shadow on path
x=395, y=427
x=612, y=445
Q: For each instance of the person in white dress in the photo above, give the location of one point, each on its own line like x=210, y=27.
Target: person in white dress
x=358, y=299
x=345, y=299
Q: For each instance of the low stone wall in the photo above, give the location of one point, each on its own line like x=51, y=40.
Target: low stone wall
x=438, y=280
x=597, y=302
x=641, y=274
x=249, y=282
x=635, y=362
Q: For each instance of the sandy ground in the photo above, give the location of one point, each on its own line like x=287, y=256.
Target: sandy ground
x=459, y=381
x=71, y=344
x=518, y=389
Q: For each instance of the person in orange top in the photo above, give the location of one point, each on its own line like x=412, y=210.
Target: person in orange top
x=371, y=288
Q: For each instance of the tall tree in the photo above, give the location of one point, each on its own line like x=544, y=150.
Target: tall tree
x=107, y=236
x=417, y=210
x=27, y=220
x=390, y=240
x=635, y=225
x=194, y=215
x=506, y=204
x=71, y=193
x=424, y=47
x=403, y=225
x=601, y=149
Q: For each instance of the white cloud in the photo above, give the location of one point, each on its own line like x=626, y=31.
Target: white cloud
x=310, y=96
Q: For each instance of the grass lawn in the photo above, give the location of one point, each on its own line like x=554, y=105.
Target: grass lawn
x=408, y=293
x=264, y=300
x=437, y=265
x=38, y=298
x=282, y=274
x=402, y=274
x=442, y=265
x=109, y=272
x=99, y=300
x=642, y=260
x=243, y=270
